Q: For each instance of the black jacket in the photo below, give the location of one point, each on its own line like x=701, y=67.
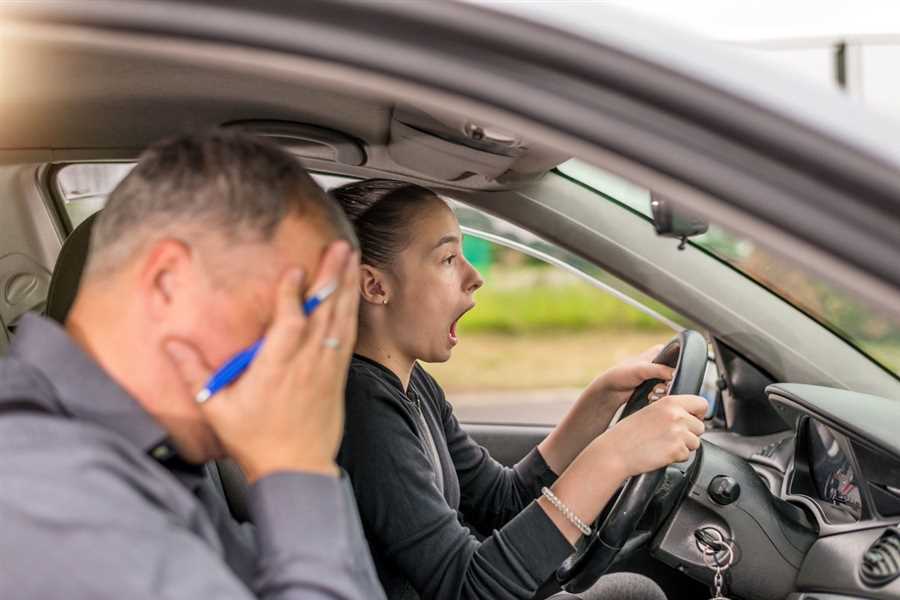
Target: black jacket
x=421, y=482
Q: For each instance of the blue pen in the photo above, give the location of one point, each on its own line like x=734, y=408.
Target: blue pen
x=231, y=370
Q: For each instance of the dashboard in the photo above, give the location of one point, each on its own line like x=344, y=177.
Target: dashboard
x=815, y=507
x=843, y=467
x=814, y=467
x=833, y=473
x=842, y=480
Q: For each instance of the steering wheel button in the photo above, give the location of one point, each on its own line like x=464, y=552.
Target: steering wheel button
x=724, y=489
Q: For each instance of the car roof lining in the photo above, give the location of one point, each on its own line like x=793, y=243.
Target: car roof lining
x=76, y=81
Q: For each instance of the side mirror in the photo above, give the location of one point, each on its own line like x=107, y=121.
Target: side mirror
x=678, y=223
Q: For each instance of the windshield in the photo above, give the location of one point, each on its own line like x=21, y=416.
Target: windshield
x=874, y=334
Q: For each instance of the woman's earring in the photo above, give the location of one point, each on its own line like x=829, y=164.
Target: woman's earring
x=384, y=301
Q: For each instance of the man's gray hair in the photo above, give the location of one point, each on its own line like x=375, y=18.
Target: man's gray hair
x=237, y=185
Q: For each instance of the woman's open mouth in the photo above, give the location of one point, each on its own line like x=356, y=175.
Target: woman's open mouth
x=453, y=337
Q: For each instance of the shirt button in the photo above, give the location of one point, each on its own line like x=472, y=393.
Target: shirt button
x=162, y=452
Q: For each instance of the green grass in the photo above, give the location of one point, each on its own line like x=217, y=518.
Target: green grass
x=572, y=306
x=491, y=361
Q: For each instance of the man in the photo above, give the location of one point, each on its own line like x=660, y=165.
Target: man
x=208, y=245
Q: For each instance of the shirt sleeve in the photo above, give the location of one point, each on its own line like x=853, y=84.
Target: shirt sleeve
x=310, y=539
x=92, y=519
x=411, y=526
x=491, y=494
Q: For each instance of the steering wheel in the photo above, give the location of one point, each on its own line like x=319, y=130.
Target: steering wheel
x=688, y=354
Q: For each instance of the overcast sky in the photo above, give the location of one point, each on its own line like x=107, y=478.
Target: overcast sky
x=742, y=19
x=796, y=35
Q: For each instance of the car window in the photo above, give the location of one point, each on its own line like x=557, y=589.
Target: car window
x=877, y=336
x=82, y=188
x=545, y=324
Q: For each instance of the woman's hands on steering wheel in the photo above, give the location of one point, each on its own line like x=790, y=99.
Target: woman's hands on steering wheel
x=650, y=435
x=664, y=432
x=598, y=403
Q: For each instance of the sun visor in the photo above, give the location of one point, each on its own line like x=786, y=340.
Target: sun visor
x=452, y=148
x=436, y=157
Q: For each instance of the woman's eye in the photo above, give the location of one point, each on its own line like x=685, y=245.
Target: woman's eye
x=449, y=259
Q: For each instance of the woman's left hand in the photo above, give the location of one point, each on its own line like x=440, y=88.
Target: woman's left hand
x=597, y=404
x=599, y=400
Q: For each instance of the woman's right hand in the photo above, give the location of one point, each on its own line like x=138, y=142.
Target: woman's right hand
x=660, y=434
x=656, y=436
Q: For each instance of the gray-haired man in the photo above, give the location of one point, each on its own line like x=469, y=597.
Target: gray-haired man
x=206, y=246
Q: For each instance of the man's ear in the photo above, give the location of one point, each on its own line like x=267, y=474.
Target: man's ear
x=372, y=285
x=163, y=275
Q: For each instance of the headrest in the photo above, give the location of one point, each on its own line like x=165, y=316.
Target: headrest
x=68, y=269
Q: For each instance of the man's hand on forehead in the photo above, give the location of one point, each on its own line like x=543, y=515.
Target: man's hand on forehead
x=327, y=273
x=286, y=411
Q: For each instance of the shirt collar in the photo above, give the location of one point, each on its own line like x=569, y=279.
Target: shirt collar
x=84, y=390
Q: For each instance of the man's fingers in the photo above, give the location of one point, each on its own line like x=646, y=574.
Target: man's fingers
x=330, y=272
x=346, y=308
x=332, y=265
x=189, y=365
x=286, y=330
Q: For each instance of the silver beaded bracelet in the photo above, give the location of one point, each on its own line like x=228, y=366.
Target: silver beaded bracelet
x=566, y=511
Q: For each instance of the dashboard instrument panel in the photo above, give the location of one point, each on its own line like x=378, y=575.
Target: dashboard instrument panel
x=833, y=473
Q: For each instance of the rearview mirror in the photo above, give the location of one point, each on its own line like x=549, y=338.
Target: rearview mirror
x=679, y=223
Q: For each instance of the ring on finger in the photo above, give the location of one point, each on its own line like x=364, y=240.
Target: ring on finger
x=331, y=342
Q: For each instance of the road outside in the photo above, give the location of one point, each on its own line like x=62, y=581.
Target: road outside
x=531, y=378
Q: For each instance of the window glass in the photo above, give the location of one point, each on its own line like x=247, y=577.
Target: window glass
x=609, y=185
x=874, y=334
x=83, y=188
x=545, y=324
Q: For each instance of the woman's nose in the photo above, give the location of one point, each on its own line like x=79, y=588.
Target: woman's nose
x=474, y=280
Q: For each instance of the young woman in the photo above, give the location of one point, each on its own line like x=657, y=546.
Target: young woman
x=421, y=483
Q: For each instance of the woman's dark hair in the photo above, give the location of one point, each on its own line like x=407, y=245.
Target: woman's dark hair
x=382, y=212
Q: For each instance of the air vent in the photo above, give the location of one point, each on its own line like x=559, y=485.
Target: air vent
x=881, y=562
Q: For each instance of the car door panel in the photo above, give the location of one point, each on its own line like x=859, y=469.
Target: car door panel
x=508, y=444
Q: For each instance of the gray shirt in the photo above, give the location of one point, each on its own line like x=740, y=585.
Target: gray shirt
x=94, y=503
